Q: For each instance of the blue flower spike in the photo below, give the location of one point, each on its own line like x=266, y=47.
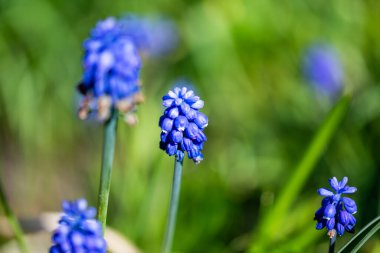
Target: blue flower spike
x=336, y=212
x=182, y=124
x=78, y=230
x=111, y=66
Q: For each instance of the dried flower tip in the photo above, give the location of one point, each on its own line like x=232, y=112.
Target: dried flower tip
x=331, y=233
x=125, y=105
x=104, y=108
x=130, y=119
x=138, y=98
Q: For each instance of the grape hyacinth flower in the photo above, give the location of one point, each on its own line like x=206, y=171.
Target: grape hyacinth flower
x=78, y=230
x=336, y=213
x=111, y=66
x=323, y=70
x=182, y=125
x=182, y=128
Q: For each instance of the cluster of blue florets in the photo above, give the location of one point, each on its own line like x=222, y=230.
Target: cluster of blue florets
x=337, y=212
x=78, y=230
x=182, y=125
x=323, y=70
x=111, y=71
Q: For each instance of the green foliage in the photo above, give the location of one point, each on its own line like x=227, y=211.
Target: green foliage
x=244, y=58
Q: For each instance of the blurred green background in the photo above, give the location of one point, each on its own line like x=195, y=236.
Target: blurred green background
x=244, y=58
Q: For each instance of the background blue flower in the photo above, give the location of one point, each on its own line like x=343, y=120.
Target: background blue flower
x=111, y=71
x=322, y=68
x=182, y=124
x=78, y=231
x=153, y=36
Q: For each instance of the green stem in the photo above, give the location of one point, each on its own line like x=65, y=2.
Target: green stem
x=332, y=244
x=107, y=159
x=176, y=187
x=13, y=222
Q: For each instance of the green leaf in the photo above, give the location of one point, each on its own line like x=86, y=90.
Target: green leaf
x=362, y=237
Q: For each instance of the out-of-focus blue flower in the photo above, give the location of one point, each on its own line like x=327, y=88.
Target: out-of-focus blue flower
x=182, y=124
x=323, y=69
x=152, y=36
x=78, y=231
x=111, y=71
x=336, y=211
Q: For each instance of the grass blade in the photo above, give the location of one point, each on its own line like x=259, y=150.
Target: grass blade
x=362, y=237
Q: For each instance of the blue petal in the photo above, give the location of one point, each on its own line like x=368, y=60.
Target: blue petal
x=55, y=249
x=343, y=183
x=348, y=201
x=319, y=213
x=183, y=91
x=192, y=100
x=178, y=101
x=192, y=131
x=198, y=158
x=188, y=94
x=326, y=201
x=201, y=137
x=348, y=190
x=351, y=209
x=185, y=108
x=176, y=136
x=164, y=137
x=171, y=149
x=201, y=120
x=330, y=224
x=334, y=183
x=198, y=105
x=168, y=102
x=167, y=125
x=177, y=91
x=324, y=192
x=181, y=123
x=180, y=155
x=191, y=114
x=320, y=224
x=329, y=211
x=351, y=219
x=186, y=144
x=340, y=229
x=171, y=94
x=173, y=112
x=343, y=217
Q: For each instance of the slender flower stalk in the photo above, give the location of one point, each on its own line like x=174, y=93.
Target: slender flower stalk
x=332, y=243
x=173, y=207
x=182, y=128
x=13, y=222
x=110, y=127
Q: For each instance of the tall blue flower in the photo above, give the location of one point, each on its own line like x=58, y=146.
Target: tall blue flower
x=336, y=212
x=78, y=231
x=111, y=72
x=182, y=124
x=323, y=70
